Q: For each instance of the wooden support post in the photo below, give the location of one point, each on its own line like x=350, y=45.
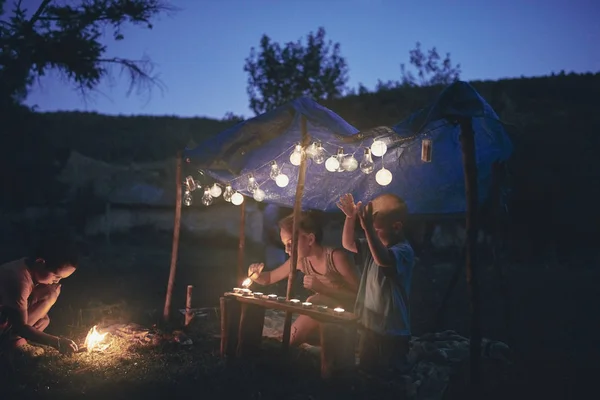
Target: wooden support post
x=175, y=248
x=188, y=305
x=297, y=210
x=230, y=323
x=252, y=320
x=241, y=274
x=467, y=140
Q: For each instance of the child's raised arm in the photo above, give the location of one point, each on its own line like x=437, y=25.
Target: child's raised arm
x=346, y=204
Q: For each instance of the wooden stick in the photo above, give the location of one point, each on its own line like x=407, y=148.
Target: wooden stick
x=188, y=305
x=175, y=248
x=467, y=140
x=297, y=210
x=241, y=275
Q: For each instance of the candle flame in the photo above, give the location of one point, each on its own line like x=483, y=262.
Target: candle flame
x=94, y=339
x=339, y=310
x=247, y=282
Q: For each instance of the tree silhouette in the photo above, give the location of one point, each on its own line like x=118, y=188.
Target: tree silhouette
x=64, y=37
x=67, y=37
x=431, y=69
x=279, y=74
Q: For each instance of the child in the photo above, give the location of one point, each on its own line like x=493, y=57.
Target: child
x=328, y=273
x=387, y=259
x=29, y=287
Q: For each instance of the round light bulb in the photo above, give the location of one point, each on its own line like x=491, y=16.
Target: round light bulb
x=378, y=148
x=237, y=198
x=215, y=190
x=350, y=163
x=296, y=156
x=383, y=177
x=259, y=195
x=319, y=156
x=332, y=164
x=282, y=180
x=228, y=193
x=207, y=199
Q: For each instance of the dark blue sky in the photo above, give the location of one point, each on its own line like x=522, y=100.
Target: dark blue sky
x=200, y=50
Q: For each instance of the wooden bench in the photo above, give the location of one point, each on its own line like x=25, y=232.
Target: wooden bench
x=242, y=322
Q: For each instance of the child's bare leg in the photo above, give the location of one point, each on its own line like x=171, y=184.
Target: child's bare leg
x=304, y=330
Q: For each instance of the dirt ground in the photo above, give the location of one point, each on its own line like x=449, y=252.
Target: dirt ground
x=553, y=330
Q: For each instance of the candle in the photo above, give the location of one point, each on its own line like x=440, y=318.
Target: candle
x=322, y=308
x=258, y=294
x=272, y=297
x=295, y=302
x=281, y=299
x=307, y=304
x=237, y=290
x=246, y=292
x=338, y=310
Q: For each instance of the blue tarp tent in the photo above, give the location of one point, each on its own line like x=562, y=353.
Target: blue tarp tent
x=435, y=187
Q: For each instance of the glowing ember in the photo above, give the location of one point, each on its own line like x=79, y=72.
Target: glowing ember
x=247, y=282
x=94, y=339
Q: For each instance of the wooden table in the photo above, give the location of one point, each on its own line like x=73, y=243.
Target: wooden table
x=242, y=322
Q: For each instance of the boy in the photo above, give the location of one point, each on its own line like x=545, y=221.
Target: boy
x=29, y=287
x=387, y=259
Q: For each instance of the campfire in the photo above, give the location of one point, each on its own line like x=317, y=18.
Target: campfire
x=95, y=341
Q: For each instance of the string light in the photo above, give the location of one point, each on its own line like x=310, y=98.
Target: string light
x=228, y=193
x=334, y=163
x=237, y=199
x=215, y=190
x=378, y=148
x=367, y=165
x=207, y=199
x=296, y=156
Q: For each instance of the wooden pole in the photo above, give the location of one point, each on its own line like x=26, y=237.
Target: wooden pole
x=175, y=248
x=188, y=305
x=242, y=244
x=297, y=210
x=467, y=140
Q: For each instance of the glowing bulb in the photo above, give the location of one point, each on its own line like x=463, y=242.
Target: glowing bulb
x=259, y=194
x=378, y=148
x=252, y=184
x=312, y=150
x=282, y=180
x=237, y=199
x=274, y=171
x=350, y=163
x=296, y=156
x=383, y=177
x=319, y=156
x=191, y=183
x=207, y=199
x=187, y=198
x=340, y=158
x=215, y=190
x=366, y=165
x=228, y=193
x=332, y=164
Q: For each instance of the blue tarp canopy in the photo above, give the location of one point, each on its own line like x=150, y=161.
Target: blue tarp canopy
x=435, y=187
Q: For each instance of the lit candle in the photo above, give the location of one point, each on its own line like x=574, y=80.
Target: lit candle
x=338, y=310
x=295, y=302
x=247, y=282
x=307, y=304
x=258, y=294
x=272, y=297
x=322, y=308
x=237, y=290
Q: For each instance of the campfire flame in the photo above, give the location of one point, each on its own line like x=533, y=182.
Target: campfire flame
x=94, y=340
x=247, y=282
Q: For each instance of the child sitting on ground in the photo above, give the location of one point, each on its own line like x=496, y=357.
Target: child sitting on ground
x=387, y=261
